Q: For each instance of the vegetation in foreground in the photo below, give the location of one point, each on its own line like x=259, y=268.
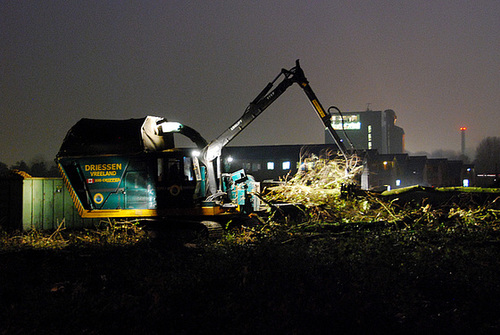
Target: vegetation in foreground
x=348, y=265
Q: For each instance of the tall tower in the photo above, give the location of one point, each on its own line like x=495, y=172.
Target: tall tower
x=462, y=131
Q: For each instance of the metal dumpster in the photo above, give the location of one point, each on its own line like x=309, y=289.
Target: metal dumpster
x=37, y=203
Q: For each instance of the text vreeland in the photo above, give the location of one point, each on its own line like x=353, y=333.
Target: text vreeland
x=103, y=170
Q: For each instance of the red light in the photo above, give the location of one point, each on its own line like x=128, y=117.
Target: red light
x=463, y=128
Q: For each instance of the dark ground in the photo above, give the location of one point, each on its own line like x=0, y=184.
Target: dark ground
x=349, y=281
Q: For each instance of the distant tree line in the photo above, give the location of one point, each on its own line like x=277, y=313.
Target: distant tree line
x=488, y=156
x=36, y=168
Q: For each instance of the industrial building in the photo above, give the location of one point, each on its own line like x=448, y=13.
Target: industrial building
x=369, y=130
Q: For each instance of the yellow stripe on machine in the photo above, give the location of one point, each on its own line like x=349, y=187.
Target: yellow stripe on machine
x=72, y=193
x=118, y=213
x=318, y=108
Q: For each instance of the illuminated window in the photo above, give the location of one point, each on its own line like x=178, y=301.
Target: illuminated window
x=350, y=122
x=398, y=182
x=370, y=136
x=270, y=165
x=465, y=183
x=188, y=168
x=286, y=165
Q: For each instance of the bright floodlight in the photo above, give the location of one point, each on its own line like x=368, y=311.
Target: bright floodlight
x=170, y=127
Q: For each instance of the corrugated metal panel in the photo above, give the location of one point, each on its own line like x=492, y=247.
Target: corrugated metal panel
x=38, y=203
x=46, y=202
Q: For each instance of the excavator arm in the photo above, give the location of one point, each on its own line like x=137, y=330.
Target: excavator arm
x=212, y=152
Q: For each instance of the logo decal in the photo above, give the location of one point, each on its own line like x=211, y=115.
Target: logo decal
x=98, y=198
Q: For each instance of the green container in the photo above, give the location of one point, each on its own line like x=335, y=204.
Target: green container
x=37, y=203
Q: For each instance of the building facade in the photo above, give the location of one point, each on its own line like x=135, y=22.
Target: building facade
x=271, y=162
x=369, y=130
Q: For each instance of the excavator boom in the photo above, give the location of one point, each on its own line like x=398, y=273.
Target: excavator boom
x=263, y=100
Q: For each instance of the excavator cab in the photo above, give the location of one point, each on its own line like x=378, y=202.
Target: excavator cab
x=176, y=182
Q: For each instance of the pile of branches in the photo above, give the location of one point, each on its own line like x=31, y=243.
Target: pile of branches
x=318, y=188
x=318, y=180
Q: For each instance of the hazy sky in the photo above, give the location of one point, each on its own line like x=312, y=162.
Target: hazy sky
x=435, y=63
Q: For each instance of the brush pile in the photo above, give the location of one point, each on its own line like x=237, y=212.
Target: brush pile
x=318, y=188
x=318, y=179
x=319, y=184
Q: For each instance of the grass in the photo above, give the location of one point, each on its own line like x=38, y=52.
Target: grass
x=106, y=233
x=306, y=278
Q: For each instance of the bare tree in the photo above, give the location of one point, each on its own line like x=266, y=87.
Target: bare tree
x=3, y=168
x=21, y=166
x=488, y=155
x=38, y=167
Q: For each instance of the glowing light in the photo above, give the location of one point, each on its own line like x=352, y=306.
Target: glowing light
x=463, y=128
x=213, y=152
x=170, y=127
x=230, y=159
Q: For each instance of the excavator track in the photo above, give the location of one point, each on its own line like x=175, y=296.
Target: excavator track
x=213, y=229
x=184, y=231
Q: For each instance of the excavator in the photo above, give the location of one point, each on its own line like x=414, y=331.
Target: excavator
x=132, y=169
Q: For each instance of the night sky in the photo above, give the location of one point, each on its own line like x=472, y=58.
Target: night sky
x=435, y=63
